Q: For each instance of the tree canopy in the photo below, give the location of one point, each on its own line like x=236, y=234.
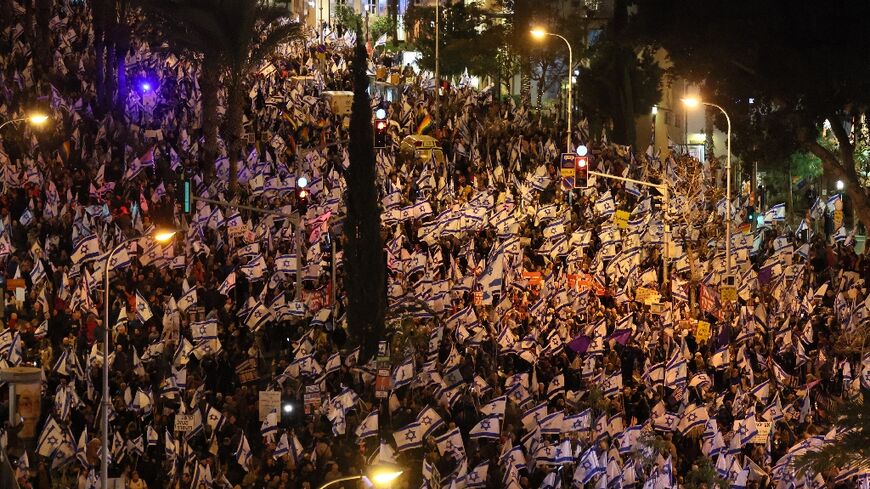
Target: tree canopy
x=780, y=69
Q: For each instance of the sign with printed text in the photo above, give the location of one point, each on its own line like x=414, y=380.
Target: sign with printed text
x=478, y=298
x=727, y=293
x=702, y=332
x=183, y=423
x=838, y=218
x=585, y=281
x=620, y=218
x=534, y=278
x=763, y=432
x=567, y=170
x=312, y=398
x=269, y=401
x=383, y=380
x=646, y=295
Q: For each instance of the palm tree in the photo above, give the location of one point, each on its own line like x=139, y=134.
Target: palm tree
x=233, y=37
x=851, y=448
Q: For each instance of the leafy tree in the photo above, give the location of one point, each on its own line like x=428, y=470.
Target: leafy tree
x=347, y=18
x=703, y=475
x=459, y=26
x=780, y=69
x=233, y=37
x=364, y=260
x=621, y=83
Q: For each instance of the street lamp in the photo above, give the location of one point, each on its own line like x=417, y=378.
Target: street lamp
x=36, y=119
x=692, y=102
x=160, y=236
x=380, y=476
x=540, y=34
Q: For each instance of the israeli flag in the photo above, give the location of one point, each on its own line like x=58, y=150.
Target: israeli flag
x=369, y=426
x=775, y=213
x=487, y=428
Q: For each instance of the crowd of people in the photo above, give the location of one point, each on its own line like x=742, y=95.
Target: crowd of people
x=536, y=336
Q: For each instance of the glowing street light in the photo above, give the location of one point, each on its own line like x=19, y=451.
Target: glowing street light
x=37, y=119
x=380, y=476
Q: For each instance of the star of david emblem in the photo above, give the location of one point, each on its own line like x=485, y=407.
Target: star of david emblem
x=547, y=451
x=449, y=446
x=692, y=417
x=202, y=330
x=577, y=424
x=257, y=314
x=52, y=440
x=140, y=307
x=556, y=382
x=152, y=255
x=213, y=417
x=484, y=424
x=472, y=476
x=113, y=262
x=669, y=419
x=410, y=435
x=587, y=466
x=742, y=431
x=426, y=420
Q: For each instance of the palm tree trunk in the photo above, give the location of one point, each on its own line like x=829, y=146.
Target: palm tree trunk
x=209, y=79
x=364, y=258
x=235, y=113
x=42, y=53
x=99, y=51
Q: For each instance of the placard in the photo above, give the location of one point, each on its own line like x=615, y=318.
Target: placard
x=183, y=423
x=702, y=332
x=247, y=371
x=727, y=293
x=620, y=218
x=312, y=398
x=763, y=432
x=478, y=298
x=534, y=278
x=269, y=401
x=646, y=295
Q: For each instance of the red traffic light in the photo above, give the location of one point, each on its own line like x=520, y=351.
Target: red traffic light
x=303, y=194
x=381, y=125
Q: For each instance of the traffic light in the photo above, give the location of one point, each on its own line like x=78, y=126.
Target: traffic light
x=302, y=199
x=381, y=126
x=750, y=214
x=581, y=172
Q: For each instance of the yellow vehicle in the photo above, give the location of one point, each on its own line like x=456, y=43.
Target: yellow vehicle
x=422, y=148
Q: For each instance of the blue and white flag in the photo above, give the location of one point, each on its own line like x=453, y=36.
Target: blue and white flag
x=775, y=213
x=368, y=427
x=487, y=428
x=409, y=437
x=143, y=310
x=587, y=467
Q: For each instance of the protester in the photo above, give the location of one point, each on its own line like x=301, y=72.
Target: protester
x=535, y=339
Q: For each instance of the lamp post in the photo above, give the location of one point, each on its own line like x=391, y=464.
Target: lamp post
x=694, y=102
x=379, y=476
x=35, y=119
x=540, y=34
x=160, y=237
